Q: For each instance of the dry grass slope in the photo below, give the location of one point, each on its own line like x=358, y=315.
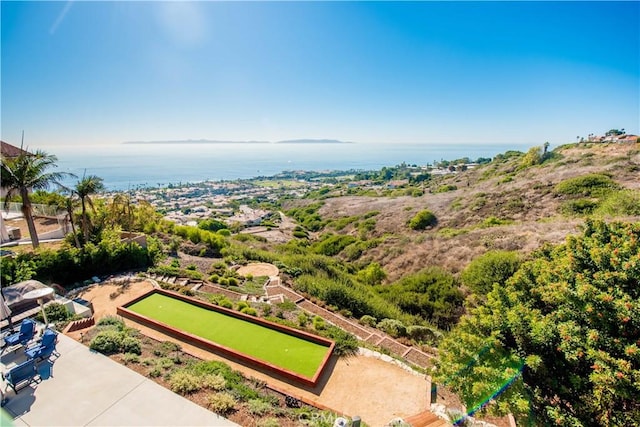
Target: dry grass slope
x=499, y=192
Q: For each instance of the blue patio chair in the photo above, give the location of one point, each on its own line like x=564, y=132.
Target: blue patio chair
x=24, y=372
x=45, y=348
x=26, y=333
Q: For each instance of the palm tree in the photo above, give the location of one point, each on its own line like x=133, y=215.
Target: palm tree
x=25, y=173
x=86, y=187
x=69, y=208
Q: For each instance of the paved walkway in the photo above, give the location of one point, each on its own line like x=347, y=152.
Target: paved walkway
x=84, y=388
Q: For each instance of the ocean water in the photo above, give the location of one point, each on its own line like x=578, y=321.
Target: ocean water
x=129, y=166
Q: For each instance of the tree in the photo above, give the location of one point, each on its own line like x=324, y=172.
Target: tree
x=121, y=212
x=572, y=316
x=492, y=267
x=422, y=220
x=373, y=274
x=28, y=172
x=69, y=207
x=86, y=187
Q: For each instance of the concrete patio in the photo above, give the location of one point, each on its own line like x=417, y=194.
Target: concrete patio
x=84, y=388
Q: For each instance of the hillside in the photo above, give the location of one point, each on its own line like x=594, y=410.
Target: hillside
x=500, y=205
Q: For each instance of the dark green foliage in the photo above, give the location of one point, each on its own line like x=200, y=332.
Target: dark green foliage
x=623, y=202
x=214, y=241
x=368, y=320
x=250, y=311
x=353, y=296
x=308, y=216
x=446, y=188
x=591, y=185
x=493, y=221
x=431, y=294
x=423, y=333
x=346, y=343
x=340, y=223
x=108, y=341
x=114, y=321
x=68, y=265
x=212, y=225
x=492, y=267
x=422, y=220
x=393, y=327
x=169, y=270
x=56, y=312
x=300, y=234
x=332, y=244
x=571, y=314
x=131, y=345
x=578, y=207
x=234, y=379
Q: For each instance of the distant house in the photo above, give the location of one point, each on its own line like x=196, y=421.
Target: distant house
x=628, y=139
x=397, y=183
x=11, y=151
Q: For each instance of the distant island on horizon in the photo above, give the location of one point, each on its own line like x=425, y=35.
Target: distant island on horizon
x=212, y=141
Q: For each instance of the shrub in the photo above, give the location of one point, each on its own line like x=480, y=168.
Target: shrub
x=214, y=382
x=269, y=422
x=422, y=333
x=624, y=202
x=300, y=234
x=107, y=342
x=492, y=267
x=393, y=327
x=233, y=281
x=446, y=188
x=368, y=320
x=221, y=403
x=258, y=407
x=372, y=275
x=593, y=184
x=184, y=382
x=422, y=220
x=303, y=319
x=493, y=221
x=226, y=303
x=111, y=321
x=130, y=358
x=55, y=312
x=266, y=309
x=287, y=305
x=249, y=310
x=165, y=363
x=241, y=305
x=175, y=263
x=578, y=207
x=223, y=281
x=318, y=323
x=131, y=345
x=333, y=244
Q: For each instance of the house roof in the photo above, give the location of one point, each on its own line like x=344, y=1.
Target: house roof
x=9, y=150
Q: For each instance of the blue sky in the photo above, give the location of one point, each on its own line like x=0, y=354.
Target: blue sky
x=83, y=73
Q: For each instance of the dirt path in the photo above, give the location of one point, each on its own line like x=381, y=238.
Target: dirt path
x=259, y=269
x=375, y=390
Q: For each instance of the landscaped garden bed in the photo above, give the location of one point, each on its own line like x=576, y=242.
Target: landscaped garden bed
x=210, y=384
